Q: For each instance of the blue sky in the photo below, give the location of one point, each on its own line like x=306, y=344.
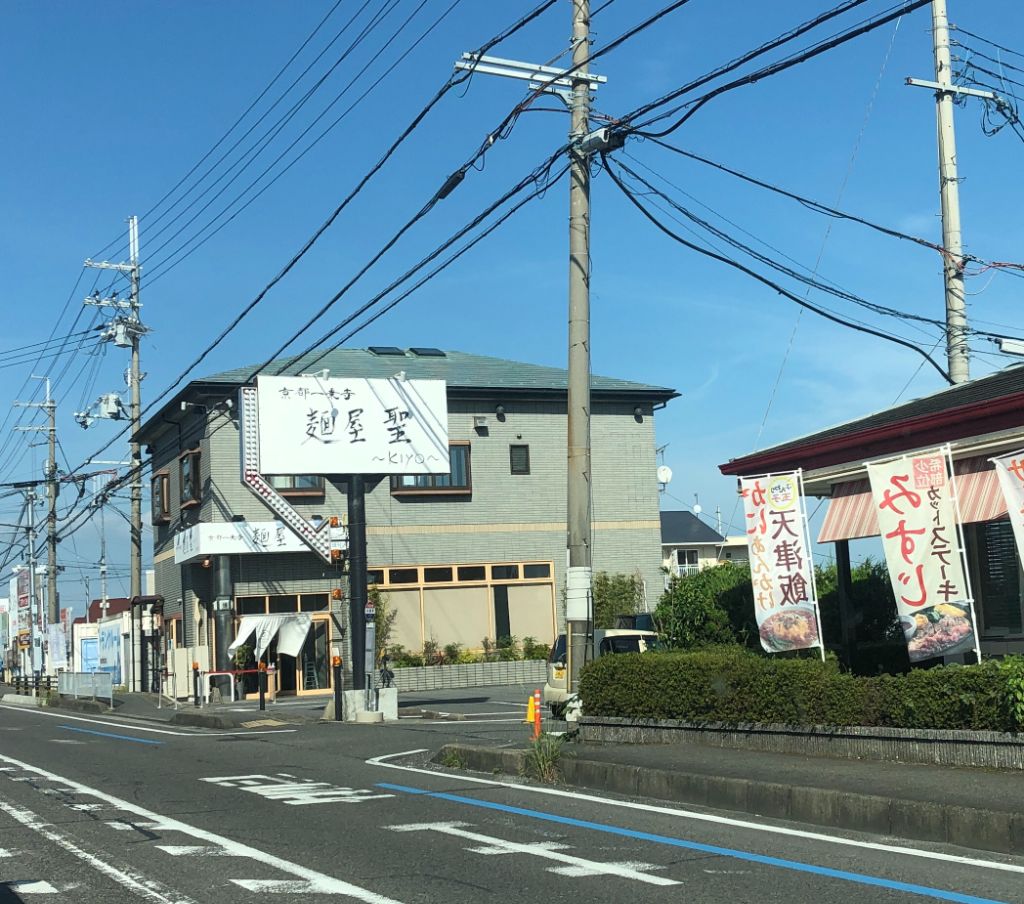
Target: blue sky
x=108, y=104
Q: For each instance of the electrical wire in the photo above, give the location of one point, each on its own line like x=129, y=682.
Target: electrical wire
x=158, y=273
x=789, y=62
x=764, y=280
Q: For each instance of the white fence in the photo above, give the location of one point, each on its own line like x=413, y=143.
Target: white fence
x=88, y=685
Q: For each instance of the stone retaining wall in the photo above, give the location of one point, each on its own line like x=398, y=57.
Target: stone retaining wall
x=987, y=749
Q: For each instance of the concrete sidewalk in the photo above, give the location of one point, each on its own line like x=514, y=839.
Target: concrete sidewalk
x=969, y=807
x=239, y=714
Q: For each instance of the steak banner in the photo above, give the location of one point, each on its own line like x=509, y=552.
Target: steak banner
x=785, y=601
x=914, y=499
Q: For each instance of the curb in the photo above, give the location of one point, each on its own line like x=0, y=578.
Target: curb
x=981, y=829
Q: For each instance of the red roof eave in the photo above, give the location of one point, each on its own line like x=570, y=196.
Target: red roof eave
x=941, y=426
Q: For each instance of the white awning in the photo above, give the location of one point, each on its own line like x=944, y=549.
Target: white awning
x=290, y=629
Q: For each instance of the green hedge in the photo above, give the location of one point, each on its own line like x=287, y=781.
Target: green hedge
x=732, y=685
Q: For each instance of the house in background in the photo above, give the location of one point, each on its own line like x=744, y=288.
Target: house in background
x=688, y=544
x=477, y=553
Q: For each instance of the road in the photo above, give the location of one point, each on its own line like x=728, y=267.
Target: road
x=102, y=810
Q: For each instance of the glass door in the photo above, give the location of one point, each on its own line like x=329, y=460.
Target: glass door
x=313, y=663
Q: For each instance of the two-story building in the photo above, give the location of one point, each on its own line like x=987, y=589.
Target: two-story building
x=477, y=553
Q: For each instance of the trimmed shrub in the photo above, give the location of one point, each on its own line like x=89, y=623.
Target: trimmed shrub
x=732, y=685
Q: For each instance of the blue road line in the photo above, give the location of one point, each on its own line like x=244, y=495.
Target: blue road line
x=107, y=734
x=749, y=856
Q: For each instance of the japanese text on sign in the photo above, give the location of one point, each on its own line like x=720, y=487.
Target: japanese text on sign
x=331, y=425
x=780, y=562
x=913, y=498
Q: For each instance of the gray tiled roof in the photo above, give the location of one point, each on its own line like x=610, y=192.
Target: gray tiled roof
x=685, y=527
x=459, y=369
x=1006, y=382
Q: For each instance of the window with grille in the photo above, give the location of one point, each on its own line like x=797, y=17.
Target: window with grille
x=519, y=459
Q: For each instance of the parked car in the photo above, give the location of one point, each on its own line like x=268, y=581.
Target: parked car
x=606, y=642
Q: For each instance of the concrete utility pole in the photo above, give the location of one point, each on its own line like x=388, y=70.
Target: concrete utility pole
x=579, y=576
x=957, y=349
x=126, y=330
x=574, y=87
x=136, y=408
x=33, y=605
x=50, y=476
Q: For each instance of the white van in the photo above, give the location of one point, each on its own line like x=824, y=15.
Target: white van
x=612, y=640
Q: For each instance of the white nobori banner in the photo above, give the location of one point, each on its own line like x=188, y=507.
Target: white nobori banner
x=785, y=598
x=914, y=498
x=1010, y=471
x=336, y=425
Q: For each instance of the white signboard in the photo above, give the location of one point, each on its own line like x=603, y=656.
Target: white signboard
x=333, y=425
x=785, y=601
x=916, y=507
x=57, y=648
x=235, y=538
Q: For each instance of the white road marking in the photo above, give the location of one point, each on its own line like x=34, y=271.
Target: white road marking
x=452, y=723
x=64, y=741
x=188, y=850
x=84, y=808
x=143, y=887
x=131, y=725
x=295, y=793
x=285, y=886
x=5, y=853
x=328, y=884
x=701, y=817
x=570, y=866
x=32, y=888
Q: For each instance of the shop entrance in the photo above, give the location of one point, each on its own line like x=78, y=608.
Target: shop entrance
x=309, y=672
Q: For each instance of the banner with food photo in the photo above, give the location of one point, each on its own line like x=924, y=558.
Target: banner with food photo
x=781, y=570
x=914, y=498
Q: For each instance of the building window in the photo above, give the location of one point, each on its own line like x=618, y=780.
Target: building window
x=536, y=571
x=160, y=497
x=404, y=575
x=686, y=562
x=459, y=480
x=1000, y=584
x=298, y=484
x=472, y=572
x=519, y=459
x=438, y=575
x=188, y=474
x=504, y=572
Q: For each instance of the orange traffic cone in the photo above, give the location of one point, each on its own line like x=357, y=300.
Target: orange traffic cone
x=531, y=711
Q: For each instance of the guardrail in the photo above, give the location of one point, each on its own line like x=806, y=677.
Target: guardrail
x=90, y=685
x=34, y=685
x=206, y=676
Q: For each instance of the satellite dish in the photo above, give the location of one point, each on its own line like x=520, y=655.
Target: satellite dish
x=664, y=474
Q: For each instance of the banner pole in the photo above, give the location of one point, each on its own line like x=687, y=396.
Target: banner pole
x=962, y=541
x=810, y=556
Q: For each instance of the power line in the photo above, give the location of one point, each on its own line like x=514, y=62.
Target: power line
x=158, y=273
x=795, y=59
x=764, y=280
x=971, y=34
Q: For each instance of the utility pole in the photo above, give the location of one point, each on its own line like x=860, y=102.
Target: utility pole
x=33, y=605
x=50, y=476
x=574, y=87
x=957, y=349
x=126, y=330
x=579, y=574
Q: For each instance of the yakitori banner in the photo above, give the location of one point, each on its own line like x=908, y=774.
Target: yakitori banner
x=781, y=570
x=1010, y=471
x=914, y=499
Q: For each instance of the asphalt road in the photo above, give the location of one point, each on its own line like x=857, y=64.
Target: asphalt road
x=103, y=810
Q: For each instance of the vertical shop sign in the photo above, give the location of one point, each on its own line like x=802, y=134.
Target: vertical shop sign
x=785, y=598
x=914, y=498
